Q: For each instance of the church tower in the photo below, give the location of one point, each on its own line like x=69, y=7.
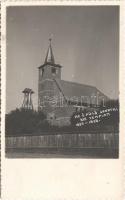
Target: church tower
x=48, y=73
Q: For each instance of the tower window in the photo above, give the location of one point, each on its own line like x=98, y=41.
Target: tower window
x=53, y=70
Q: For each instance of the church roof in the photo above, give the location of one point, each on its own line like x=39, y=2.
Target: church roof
x=72, y=89
x=49, y=56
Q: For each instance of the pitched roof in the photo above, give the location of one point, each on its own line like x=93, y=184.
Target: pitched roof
x=72, y=90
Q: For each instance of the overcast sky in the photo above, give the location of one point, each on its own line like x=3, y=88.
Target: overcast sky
x=85, y=42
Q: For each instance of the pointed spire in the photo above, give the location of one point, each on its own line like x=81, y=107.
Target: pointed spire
x=49, y=56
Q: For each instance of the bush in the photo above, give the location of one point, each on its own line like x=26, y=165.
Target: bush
x=21, y=121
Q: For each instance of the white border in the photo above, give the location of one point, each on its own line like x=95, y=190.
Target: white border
x=22, y=173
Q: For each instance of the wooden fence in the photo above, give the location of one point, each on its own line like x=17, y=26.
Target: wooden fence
x=87, y=140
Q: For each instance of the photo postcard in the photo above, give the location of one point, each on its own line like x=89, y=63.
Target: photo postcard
x=62, y=93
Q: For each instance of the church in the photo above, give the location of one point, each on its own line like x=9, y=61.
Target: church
x=58, y=98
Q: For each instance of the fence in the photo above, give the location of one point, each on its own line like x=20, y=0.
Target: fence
x=87, y=140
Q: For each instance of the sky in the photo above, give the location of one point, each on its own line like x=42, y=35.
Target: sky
x=85, y=41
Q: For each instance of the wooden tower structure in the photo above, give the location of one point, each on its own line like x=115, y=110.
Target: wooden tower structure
x=27, y=101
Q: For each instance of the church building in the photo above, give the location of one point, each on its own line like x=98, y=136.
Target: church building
x=58, y=98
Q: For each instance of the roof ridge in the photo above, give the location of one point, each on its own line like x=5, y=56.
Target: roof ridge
x=80, y=84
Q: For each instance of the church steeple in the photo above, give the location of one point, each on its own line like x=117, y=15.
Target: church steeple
x=49, y=56
x=49, y=72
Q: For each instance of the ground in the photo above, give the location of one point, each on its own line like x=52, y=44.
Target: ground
x=62, y=153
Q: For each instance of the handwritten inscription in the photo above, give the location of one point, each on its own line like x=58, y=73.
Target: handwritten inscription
x=93, y=117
